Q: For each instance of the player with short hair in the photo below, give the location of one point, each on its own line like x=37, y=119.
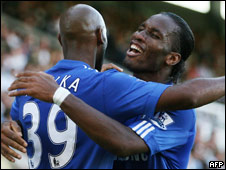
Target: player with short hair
x=74, y=106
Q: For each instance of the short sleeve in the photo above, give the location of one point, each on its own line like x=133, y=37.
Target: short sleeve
x=159, y=138
x=126, y=96
x=14, y=112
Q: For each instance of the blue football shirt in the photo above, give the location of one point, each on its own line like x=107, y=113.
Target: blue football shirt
x=169, y=136
x=55, y=141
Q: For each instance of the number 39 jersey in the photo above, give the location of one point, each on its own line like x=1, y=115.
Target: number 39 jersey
x=55, y=141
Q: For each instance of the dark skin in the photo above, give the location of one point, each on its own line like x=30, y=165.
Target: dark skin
x=11, y=136
x=83, y=36
x=107, y=132
x=154, y=38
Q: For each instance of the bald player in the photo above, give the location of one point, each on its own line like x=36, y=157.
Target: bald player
x=54, y=141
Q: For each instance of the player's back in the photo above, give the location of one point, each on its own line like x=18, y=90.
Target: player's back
x=170, y=139
x=55, y=141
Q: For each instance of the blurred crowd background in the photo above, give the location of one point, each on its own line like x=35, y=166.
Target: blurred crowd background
x=29, y=42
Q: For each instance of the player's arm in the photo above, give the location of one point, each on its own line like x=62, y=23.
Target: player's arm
x=105, y=131
x=11, y=136
x=191, y=94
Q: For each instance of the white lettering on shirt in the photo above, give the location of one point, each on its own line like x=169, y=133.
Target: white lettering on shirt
x=64, y=81
x=74, y=84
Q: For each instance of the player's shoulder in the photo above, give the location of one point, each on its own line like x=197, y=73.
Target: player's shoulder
x=123, y=81
x=113, y=75
x=182, y=119
x=80, y=70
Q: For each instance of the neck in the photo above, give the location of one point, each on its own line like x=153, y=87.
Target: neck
x=161, y=76
x=83, y=53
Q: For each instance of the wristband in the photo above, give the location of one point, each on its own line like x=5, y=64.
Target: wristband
x=59, y=95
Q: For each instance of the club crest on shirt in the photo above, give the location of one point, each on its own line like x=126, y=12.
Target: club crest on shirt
x=162, y=120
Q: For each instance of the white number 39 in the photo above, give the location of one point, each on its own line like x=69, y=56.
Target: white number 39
x=66, y=137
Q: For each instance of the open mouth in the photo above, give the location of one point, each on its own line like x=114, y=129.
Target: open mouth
x=134, y=50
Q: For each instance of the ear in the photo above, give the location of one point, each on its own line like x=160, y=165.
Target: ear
x=59, y=39
x=173, y=58
x=101, y=36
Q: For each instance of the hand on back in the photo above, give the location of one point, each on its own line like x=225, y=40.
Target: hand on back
x=11, y=136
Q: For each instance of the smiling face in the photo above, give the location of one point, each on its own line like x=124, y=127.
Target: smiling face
x=150, y=44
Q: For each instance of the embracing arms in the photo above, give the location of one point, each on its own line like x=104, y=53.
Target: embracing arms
x=105, y=131
x=108, y=133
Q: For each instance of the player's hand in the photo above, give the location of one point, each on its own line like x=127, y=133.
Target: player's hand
x=106, y=67
x=36, y=84
x=11, y=136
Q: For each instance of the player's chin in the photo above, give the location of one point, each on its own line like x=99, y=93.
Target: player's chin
x=133, y=61
x=130, y=64
x=127, y=61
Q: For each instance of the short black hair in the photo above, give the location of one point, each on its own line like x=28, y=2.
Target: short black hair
x=184, y=43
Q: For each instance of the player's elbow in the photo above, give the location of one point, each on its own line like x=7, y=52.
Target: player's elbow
x=121, y=149
x=131, y=147
x=192, y=100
